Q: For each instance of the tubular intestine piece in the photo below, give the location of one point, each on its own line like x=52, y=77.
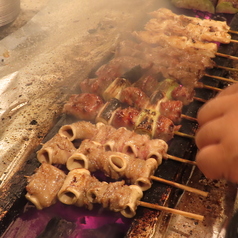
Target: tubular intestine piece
x=115, y=165
x=78, y=130
x=157, y=149
x=92, y=156
x=131, y=206
x=73, y=191
x=117, y=197
x=44, y=185
x=104, y=132
x=126, y=141
x=138, y=172
x=56, y=151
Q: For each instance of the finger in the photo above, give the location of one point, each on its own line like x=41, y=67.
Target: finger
x=229, y=90
x=215, y=108
x=210, y=160
x=209, y=133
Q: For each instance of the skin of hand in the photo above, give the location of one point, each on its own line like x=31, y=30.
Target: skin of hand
x=217, y=136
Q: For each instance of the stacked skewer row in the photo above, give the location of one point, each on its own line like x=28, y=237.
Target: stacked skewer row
x=136, y=101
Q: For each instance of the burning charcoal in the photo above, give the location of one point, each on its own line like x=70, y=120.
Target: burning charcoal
x=58, y=228
x=110, y=230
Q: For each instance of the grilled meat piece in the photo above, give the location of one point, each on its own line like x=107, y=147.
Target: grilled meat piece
x=180, y=42
x=56, y=151
x=83, y=106
x=117, y=197
x=182, y=94
x=172, y=54
x=43, y=185
x=74, y=188
x=134, y=97
x=125, y=117
x=151, y=86
x=171, y=110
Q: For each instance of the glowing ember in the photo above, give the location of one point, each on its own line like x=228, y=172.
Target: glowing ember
x=33, y=223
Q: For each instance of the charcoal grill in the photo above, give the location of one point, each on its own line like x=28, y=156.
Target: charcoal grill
x=147, y=223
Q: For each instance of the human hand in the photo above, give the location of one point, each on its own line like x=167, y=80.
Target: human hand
x=217, y=137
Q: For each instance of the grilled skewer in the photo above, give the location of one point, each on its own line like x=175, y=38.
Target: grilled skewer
x=112, y=113
x=197, y=29
x=50, y=184
x=115, y=161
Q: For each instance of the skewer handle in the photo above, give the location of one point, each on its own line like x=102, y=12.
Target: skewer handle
x=184, y=135
x=234, y=41
x=212, y=88
x=227, y=56
x=172, y=157
x=181, y=186
x=171, y=210
x=188, y=118
x=233, y=32
x=226, y=68
x=221, y=78
x=200, y=99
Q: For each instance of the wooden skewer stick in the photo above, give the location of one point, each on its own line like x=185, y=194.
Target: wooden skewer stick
x=234, y=41
x=221, y=78
x=210, y=87
x=226, y=68
x=227, y=56
x=200, y=99
x=171, y=210
x=233, y=32
x=188, y=118
x=183, y=135
x=181, y=186
x=175, y=158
